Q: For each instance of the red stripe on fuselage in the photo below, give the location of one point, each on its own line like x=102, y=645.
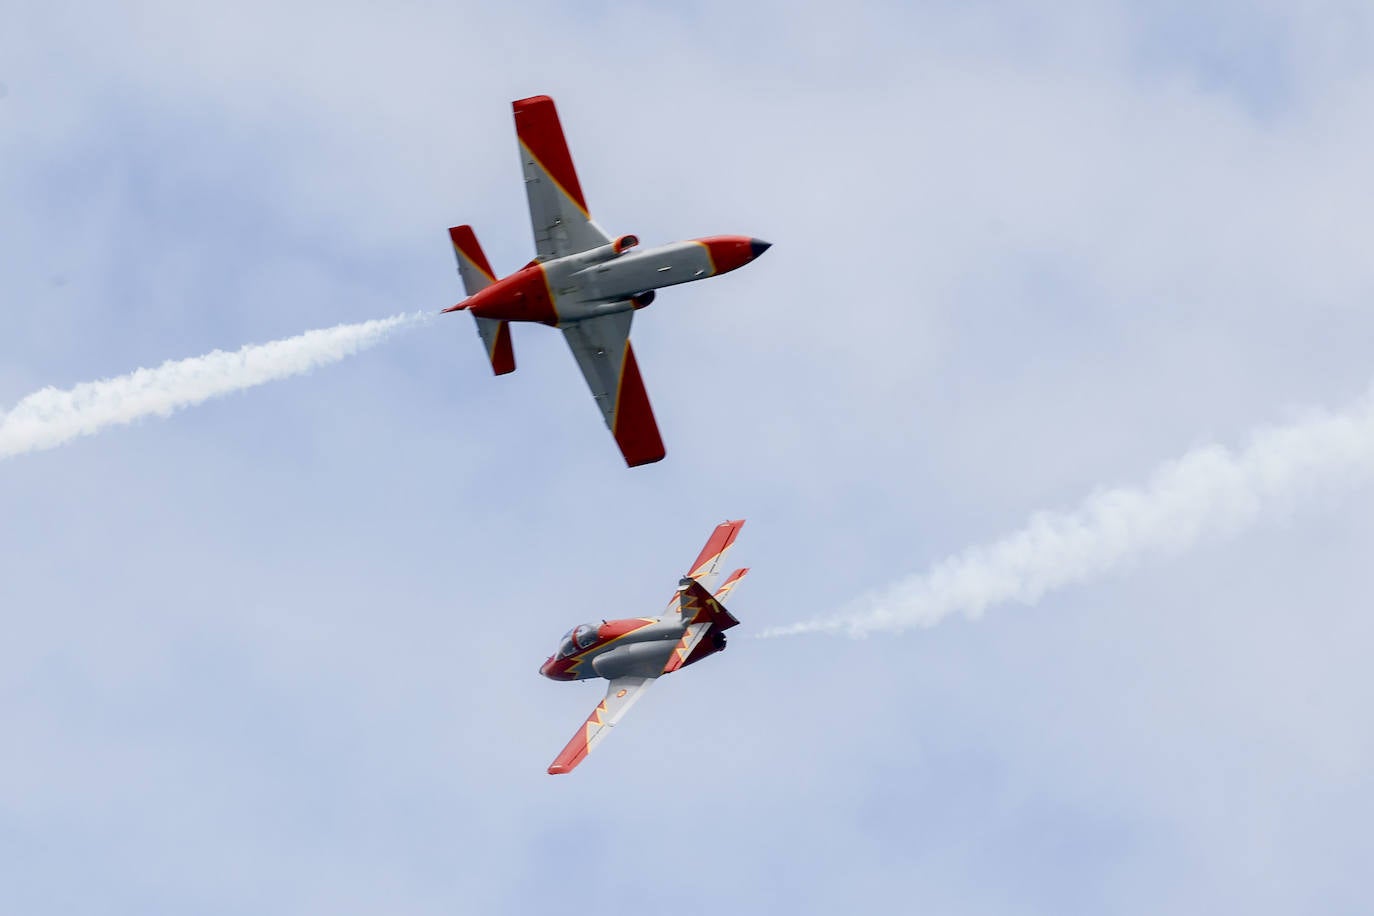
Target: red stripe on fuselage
x=567, y=668
x=614, y=629
x=523, y=296
x=539, y=130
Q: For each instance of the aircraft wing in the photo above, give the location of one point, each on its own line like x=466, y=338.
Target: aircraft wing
x=706, y=566
x=602, y=349
x=558, y=211
x=621, y=694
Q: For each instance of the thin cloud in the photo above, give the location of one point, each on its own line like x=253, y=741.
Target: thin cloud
x=50, y=417
x=1210, y=491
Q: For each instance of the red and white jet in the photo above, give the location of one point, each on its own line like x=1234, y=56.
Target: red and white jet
x=633, y=653
x=583, y=282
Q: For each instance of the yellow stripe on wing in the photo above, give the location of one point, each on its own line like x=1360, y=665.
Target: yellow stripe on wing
x=562, y=190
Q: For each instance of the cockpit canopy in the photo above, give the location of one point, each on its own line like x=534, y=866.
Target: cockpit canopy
x=577, y=639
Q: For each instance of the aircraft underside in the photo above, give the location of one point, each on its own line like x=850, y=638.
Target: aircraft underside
x=584, y=282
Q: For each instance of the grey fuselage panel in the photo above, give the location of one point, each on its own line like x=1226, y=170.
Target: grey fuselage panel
x=584, y=287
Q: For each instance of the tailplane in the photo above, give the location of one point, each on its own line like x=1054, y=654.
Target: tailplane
x=477, y=275
x=472, y=262
x=730, y=582
x=704, y=620
x=697, y=605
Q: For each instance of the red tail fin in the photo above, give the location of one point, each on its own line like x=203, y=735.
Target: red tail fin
x=706, y=621
x=698, y=606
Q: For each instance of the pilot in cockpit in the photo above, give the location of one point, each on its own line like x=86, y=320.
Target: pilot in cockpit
x=577, y=639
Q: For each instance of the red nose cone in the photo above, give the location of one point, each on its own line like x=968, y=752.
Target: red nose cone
x=729, y=252
x=558, y=669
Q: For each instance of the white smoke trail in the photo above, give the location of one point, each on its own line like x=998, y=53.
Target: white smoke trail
x=50, y=417
x=1209, y=491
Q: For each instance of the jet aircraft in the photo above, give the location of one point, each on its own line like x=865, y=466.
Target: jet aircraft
x=633, y=653
x=583, y=282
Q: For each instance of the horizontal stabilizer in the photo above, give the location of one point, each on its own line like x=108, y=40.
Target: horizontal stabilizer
x=477, y=275
x=730, y=582
x=707, y=565
x=700, y=612
x=699, y=606
x=496, y=338
x=472, y=261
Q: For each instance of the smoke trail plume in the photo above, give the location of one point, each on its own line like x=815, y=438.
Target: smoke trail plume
x=1209, y=491
x=50, y=417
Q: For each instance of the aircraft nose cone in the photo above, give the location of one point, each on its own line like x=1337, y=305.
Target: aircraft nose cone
x=758, y=246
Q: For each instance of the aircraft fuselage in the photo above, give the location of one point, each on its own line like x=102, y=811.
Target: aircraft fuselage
x=606, y=279
x=618, y=648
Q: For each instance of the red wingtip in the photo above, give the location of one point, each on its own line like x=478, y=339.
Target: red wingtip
x=572, y=755
x=633, y=426
x=538, y=127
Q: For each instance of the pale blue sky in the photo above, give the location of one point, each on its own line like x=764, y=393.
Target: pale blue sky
x=277, y=654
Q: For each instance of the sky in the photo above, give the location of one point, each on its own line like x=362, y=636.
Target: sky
x=277, y=652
